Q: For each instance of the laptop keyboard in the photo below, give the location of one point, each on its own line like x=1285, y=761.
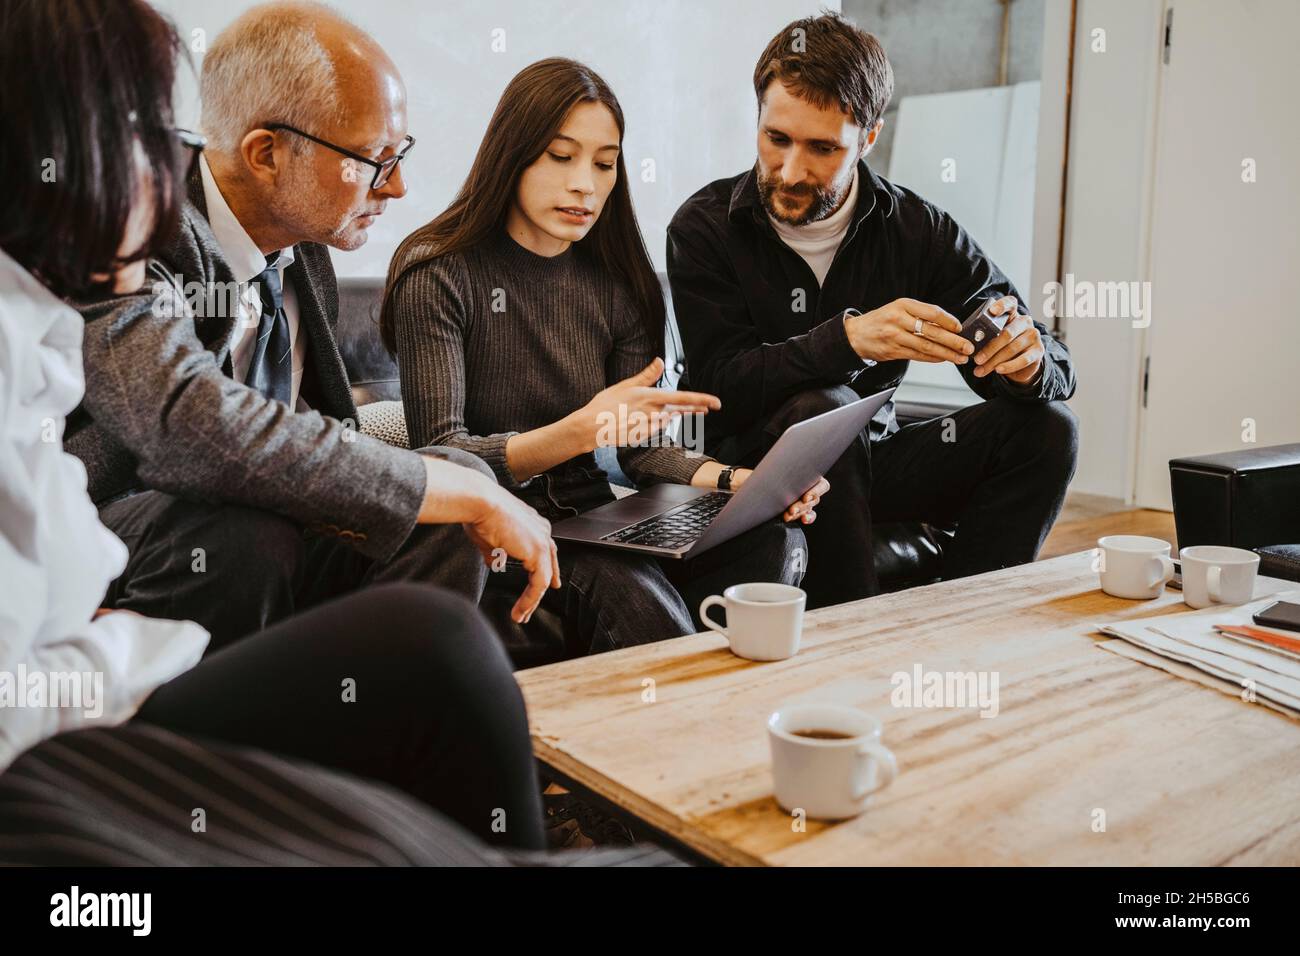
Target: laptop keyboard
x=674, y=529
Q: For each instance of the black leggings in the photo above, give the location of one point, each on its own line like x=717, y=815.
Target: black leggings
x=400, y=683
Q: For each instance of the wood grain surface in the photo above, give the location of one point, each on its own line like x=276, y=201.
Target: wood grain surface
x=1092, y=758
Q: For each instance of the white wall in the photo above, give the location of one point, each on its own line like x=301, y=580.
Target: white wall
x=1107, y=202
x=973, y=154
x=1050, y=149
x=681, y=69
x=1223, y=337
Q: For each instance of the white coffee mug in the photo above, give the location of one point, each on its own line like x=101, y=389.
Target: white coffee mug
x=1217, y=574
x=764, y=620
x=828, y=777
x=1134, y=566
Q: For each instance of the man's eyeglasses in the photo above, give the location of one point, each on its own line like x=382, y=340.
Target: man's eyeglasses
x=383, y=168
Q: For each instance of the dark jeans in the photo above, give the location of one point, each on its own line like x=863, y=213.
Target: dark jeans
x=997, y=470
x=403, y=684
x=256, y=567
x=611, y=599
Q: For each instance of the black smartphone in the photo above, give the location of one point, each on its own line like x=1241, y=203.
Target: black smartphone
x=1280, y=614
x=983, y=325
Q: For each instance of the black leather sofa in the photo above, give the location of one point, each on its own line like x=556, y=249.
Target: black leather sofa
x=1247, y=499
x=906, y=554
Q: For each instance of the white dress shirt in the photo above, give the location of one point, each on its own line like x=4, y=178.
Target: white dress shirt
x=56, y=559
x=248, y=262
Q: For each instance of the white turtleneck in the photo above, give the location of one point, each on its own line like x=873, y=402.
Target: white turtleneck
x=818, y=241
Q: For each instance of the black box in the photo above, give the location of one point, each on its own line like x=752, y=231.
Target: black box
x=1247, y=499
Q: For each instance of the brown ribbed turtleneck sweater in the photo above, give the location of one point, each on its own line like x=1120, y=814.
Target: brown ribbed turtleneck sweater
x=498, y=340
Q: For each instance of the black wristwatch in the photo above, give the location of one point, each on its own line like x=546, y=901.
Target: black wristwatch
x=724, y=478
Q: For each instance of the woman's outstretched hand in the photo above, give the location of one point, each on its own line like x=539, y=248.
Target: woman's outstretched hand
x=632, y=411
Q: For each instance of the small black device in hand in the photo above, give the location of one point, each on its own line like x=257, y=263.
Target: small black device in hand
x=983, y=325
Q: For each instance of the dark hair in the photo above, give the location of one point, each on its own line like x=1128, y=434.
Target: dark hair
x=81, y=82
x=827, y=61
x=529, y=115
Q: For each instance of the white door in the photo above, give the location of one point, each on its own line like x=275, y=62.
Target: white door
x=1224, y=339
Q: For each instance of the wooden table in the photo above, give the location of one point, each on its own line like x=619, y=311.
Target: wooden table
x=673, y=733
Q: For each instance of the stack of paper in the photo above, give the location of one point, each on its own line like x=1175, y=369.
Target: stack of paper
x=1186, y=641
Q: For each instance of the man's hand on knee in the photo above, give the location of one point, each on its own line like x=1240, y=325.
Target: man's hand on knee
x=496, y=521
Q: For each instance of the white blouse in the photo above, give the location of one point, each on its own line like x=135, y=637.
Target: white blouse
x=59, y=669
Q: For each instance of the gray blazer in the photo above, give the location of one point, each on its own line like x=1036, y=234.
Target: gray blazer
x=162, y=410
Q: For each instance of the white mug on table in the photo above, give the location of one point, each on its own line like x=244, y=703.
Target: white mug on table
x=1134, y=566
x=764, y=620
x=1217, y=574
x=827, y=759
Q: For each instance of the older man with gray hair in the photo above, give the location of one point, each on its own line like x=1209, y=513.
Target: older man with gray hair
x=217, y=431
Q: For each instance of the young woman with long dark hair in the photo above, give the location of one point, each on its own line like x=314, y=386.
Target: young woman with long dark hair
x=528, y=323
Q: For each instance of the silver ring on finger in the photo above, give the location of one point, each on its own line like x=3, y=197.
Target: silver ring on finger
x=917, y=330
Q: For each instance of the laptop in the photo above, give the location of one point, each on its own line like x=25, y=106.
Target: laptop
x=679, y=521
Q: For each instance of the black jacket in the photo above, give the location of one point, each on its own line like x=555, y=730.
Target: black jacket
x=737, y=287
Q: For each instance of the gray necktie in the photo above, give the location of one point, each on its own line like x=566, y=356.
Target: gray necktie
x=271, y=370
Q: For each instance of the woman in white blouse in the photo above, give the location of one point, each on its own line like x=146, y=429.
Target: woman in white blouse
x=115, y=737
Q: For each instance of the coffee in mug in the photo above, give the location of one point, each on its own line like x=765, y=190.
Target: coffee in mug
x=827, y=759
x=822, y=734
